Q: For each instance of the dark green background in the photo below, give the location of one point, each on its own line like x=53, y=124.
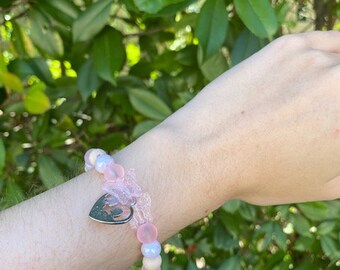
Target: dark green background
x=80, y=74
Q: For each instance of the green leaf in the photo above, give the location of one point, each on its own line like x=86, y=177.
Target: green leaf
x=17, y=39
x=258, y=16
x=329, y=246
x=232, y=223
x=87, y=80
x=148, y=104
x=326, y=227
x=2, y=155
x=49, y=172
x=205, y=247
x=211, y=27
x=315, y=210
x=269, y=229
x=21, y=68
x=44, y=36
x=279, y=236
x=63, y=11
x=174, y=7
x=301, y=224
x=41, y=70
x=246, y=44
x=108, y=54
x=91, y=21
x=214, y=66
x=2, y=182
x=66, y=123
x=14, y=193
x=149, y=6
x=221, y=237
x=175, y=240
x=16, y=107
x=231, y=206
x=153, y=6
x=35, y=100
x=143, y=127
x=282, y=10
x=303, y=243
x=191, y=266
x=3, y=67
x=11, y=81
x=307, y=265
x=5, y=3
x=275, y=261
x=233, y=263
x=248, y=211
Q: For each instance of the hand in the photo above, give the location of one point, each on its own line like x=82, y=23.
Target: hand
x=266, y=132
x=270, y=127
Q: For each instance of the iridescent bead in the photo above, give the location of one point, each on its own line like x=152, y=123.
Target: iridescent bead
x=152, y=263
x=92, y=154
x=147, y=233
x=113, y=171
x=88, y=167
x=151, y=250
x=102, y=162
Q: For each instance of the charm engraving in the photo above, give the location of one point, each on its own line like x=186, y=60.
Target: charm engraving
x=110, y=214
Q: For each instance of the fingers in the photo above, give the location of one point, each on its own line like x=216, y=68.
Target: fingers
x=328, y=41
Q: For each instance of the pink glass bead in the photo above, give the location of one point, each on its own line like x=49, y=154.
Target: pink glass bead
x=92, y=154
x=151, y=250
x=147, y=233
x=113, y=171
x=152, y=263
x=102, y=162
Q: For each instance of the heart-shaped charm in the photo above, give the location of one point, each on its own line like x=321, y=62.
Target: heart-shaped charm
x=104, y=213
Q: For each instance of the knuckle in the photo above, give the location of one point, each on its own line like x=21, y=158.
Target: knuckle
x=317, y=58
x=321, y=59
x=291, y=41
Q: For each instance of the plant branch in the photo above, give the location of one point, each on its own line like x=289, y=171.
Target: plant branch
x=319, y=8
x=19, y=15
x=145, y=33
x=11, y=100
x=330, y=17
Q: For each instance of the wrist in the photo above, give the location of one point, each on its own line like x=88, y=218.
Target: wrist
x=210, y=154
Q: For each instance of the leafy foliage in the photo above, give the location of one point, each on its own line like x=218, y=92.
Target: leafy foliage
x=85, y=73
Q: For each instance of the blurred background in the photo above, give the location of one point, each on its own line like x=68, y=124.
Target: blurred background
x=85, y=73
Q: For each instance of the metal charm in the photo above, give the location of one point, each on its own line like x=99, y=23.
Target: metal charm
x=103, y=213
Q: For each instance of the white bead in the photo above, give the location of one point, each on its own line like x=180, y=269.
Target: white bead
x=102, y=162
x=94, y=154
x=152, y=263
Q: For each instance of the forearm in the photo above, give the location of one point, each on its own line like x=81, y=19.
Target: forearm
x=246, y=136
x=53, y=231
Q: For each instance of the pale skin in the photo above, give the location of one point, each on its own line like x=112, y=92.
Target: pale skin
x=266, y=132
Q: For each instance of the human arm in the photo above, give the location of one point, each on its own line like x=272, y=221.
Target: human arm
x=238, y=138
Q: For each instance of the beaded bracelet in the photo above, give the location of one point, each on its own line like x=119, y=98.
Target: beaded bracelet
x=124, y=201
